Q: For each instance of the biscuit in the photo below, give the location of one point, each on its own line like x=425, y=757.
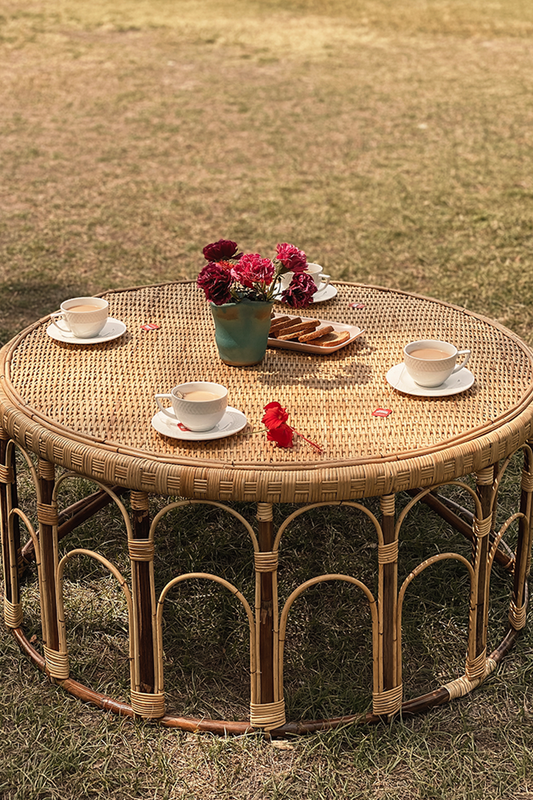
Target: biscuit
x=284, y=322
x=332, y=339
x=308, y=337
x=295, y=331
x=303, y=326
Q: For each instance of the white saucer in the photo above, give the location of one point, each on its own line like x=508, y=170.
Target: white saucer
x=325, y=294
x=232, y=422
x=111, y=330
x=399, y=379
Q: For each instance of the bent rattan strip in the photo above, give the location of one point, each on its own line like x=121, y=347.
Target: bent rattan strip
x=476, y=667
x=148, y=706
x=388, y=553
x=57, y=663
x=47, y=514
x=266, y=562
x=6, y=474
x=482, y=527
x=13, y=616
x=517, y=616
x=527, y=482
x=267, y=715
x=387, y=702
x=141, y=549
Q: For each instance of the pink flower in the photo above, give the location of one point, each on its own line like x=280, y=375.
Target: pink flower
x=275, y=415
x=300, y=291
x=251, y=269
x=293, y=260
x=218, y=251
x=216, y=282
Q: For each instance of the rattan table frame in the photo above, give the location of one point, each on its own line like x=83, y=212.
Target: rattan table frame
x=55, y=451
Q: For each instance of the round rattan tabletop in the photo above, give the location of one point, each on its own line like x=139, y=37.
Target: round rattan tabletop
x=89, y=407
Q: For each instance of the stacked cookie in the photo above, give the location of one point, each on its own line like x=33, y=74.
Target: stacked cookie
x=307, y=331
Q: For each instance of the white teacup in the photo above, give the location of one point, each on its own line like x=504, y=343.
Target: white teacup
x=320, y=278
x=82, y=317
x=198, y=405
x=430, y=362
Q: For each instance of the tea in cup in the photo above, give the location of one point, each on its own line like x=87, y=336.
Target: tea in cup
x=430, y=362
x=198, y=405
x=82, y=317
x=316, y=272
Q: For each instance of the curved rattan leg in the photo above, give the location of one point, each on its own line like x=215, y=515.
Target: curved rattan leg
x=146, y=702
x=387, y=696
x=10, y=533
x=267, y=710
x=518, y=606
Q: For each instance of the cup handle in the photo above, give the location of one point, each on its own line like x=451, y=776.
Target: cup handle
x=55, y=317
x=162, y=408
x=325, y=280
x=464, y=362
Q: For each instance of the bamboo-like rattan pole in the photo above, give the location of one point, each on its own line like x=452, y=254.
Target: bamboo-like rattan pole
x=388, y=592
x=523, y=546
x=48, y=559
x=143, y=593
x=477, y=647
x=266, y=614
x=11, y=591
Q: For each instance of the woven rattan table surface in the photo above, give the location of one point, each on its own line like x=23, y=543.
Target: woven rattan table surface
x=90, y=407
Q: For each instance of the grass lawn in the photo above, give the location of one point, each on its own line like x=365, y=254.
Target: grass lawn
x=393, y=142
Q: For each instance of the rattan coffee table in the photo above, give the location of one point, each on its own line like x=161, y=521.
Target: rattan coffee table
x=72, y=410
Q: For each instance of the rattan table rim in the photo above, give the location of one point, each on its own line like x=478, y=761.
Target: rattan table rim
x=516, y=421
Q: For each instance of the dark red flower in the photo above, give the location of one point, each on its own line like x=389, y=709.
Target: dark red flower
x=300, y=291
x=216, y=282
x=252, y=269
x=275, y=415
x=282, y=435
x=292, y=259
x=218, y=251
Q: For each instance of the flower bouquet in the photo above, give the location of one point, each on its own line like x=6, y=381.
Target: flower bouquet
x=231, y=276
x=242, y=289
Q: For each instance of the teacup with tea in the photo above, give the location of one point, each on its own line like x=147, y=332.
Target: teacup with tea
x=199, y=405
x=430, y=362
x=82, y=317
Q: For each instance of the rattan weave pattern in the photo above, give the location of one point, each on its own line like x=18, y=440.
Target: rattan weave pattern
x=90, y=407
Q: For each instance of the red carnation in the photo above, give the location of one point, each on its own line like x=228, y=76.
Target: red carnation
x=293, y=260
x=252, y=268
x=216, y=283
x=218, y=251
x=300, y=291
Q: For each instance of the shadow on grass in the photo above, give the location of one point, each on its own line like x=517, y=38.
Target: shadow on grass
x=24, y=302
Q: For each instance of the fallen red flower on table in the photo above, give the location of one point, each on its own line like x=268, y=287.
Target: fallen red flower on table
x=275, y=419
x=282, y=435
x=275, y=415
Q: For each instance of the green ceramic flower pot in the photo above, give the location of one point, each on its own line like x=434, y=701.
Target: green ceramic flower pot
x=241, y=331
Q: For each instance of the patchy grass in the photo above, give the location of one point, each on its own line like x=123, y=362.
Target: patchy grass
x=131, y=136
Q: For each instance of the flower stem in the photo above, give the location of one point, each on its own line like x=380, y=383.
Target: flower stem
x=316, y=446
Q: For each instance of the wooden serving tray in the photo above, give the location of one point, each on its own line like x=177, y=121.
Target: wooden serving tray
x=309, y=347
